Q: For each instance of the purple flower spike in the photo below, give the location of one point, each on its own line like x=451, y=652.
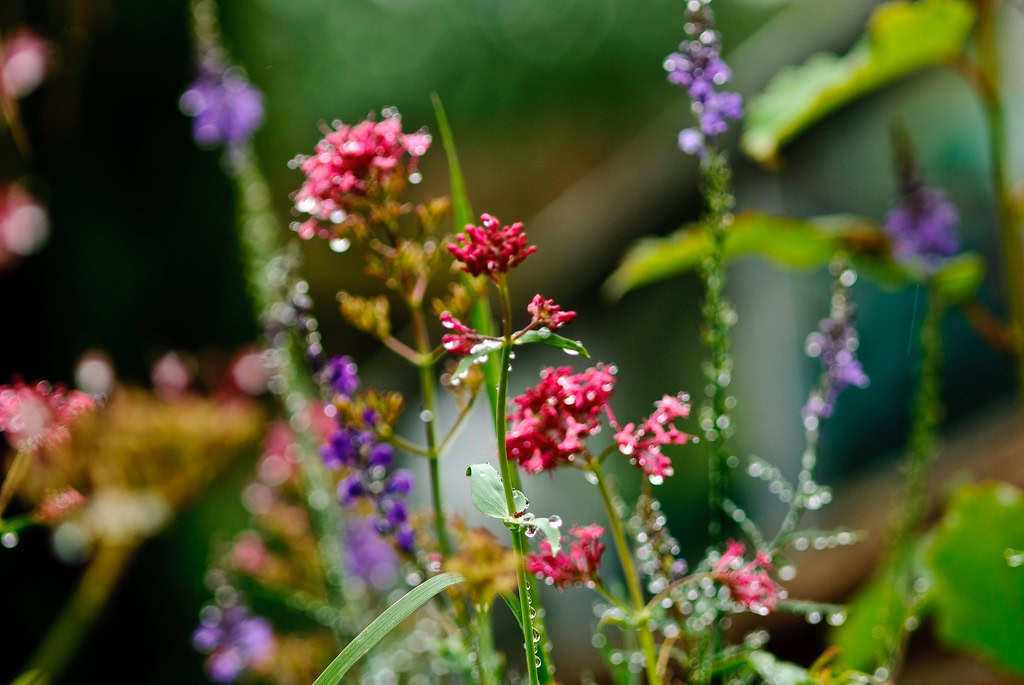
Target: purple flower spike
x=923, y=225
x=234, y=641
x=698, y=67
x=225, y=108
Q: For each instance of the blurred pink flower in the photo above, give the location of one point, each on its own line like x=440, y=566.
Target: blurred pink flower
x=749, y=584
x=580, y=565
x=34, y=415
x=25, y=62
x=24, y=224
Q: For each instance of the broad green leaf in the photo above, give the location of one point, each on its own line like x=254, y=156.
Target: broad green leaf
x=959, y=277
x=794, y=243
x=487, y=491
x=383, y=624
x=776, y=672
x=800, y=243
x=902, y=37
x=546, y=337
x=483, y=352
x=979, y=597
x=520, y=500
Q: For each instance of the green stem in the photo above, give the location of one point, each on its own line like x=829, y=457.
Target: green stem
x=1009, y=220
x=95, y=588
x=715, y=419
x=926, y=416
x=487, y=658
x=632, y=579
x=518, y=538
x=430, y=420
x=15, y=474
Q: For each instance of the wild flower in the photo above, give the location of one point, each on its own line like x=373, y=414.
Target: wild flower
x=234, y=640
x=353, y=166
x=225, y=108
x=462, y=340
x=35, y=415
x=699, y=68
x=491, y=249
x=749, y=584
x=835, y=343
x=578, y=566
x=643, y=444
x=547, y=314
x=556, y=416
x=922, y=226
x=58, y=503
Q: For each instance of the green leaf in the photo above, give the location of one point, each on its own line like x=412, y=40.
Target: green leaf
x=979, y=598
x=484, y=351
x=520, y=500
x=794, y=243
x=800, y=243
x=776, y=672
x=487, y=491
x=549, y=529
x=546, y=337
x=959, y=277
x=902, y=37
x=480, y=311
x=383, y=624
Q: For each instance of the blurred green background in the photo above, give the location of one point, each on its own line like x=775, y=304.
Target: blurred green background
x=564, y=120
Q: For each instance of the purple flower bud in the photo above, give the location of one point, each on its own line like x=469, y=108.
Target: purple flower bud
x=401, y=482
x=380, y=455
x=225, y=108
x=395, y=510
x=341, y=375
x=405, y=536
x=351, y=488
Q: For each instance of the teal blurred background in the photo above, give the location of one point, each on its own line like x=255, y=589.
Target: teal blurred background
x=564, y=120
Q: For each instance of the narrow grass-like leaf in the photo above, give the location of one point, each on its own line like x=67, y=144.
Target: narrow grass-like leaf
x=776, y=672
x=902, y=37
x=462, y=213
x=383, y=624
x=546, y=337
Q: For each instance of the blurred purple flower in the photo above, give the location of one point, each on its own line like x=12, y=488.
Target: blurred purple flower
x=922, y=226
x=225, y=108
x=234, y=641
x=370, y=556
x=341, y=375
x=835, y=343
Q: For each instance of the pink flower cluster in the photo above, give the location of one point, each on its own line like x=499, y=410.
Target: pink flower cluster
x=34, y=415
x=547, y=314
x=749, y=584
x=580, y=565
x=491, y=248
x=643, y=445
x=347, y=163
x=556, y=416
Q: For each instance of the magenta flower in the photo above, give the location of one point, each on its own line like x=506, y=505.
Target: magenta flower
x=643, y=444
x=39, y=414
x=462, y=339
x=749, y=584
x=491, y=249
x=547, y=314
x=348, y=163
x=578, y=566
x=556, y=416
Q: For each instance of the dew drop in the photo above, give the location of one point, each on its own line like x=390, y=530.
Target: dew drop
x=9, y=540
x=415, y=177
x=340, y=244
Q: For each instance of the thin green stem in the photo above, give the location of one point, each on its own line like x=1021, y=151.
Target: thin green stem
x=429, y=417
x=1009, y=220
x=487, y=658
x=93, y=590
x=13, y=478
x=518, y=538
x=629, y=571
